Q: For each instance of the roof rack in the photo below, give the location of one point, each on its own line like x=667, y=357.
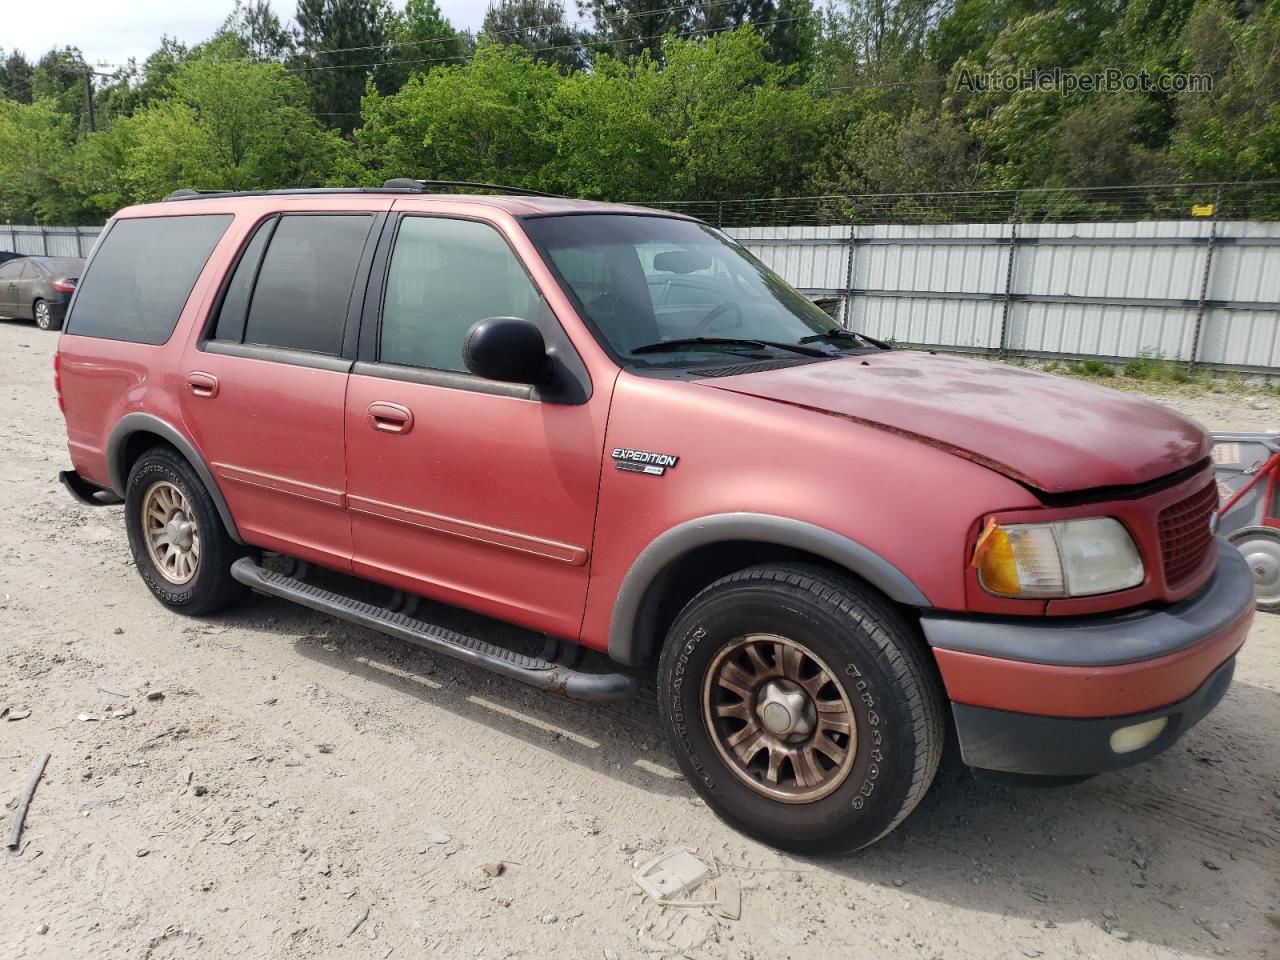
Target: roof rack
x=408, y=183
x=395, y=185
x=186, y=193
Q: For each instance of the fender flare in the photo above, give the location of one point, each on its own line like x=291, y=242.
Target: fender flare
x=132, y=423
x=625, y=627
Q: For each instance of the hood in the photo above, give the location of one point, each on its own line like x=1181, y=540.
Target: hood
x=1054, y=434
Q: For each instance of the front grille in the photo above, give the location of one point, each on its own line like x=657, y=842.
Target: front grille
x=1185, y=536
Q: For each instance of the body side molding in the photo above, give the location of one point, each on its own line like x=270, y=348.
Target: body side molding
x=138, y=422
x=626, y=645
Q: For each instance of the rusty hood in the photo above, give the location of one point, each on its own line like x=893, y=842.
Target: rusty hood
x=1052, y=433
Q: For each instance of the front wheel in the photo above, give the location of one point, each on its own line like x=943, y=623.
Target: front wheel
x=800, y=705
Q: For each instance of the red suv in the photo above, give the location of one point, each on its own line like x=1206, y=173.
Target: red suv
x=615, y=427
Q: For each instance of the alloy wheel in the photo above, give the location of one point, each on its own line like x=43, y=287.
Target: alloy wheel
x=169, y=528
x=779, y=719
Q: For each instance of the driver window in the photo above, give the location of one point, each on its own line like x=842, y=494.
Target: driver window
x=446, y=276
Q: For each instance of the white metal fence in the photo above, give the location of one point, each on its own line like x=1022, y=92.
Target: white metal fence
x=1193, y=290
x=48, y=241
x=1203, y=291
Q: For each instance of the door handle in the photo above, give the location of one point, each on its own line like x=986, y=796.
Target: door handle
x=389, y=417
x=202, y=384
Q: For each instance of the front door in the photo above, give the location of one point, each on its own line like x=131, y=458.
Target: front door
x=473, y=492
x=263, y=395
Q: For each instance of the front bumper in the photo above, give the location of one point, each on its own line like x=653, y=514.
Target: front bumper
x=1043, y=696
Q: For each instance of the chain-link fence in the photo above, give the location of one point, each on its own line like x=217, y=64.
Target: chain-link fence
x=1258, y=200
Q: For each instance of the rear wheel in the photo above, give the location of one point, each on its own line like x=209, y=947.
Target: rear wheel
x=44, y=316
x=800, y=705
x=1261, y=549
x=179, y=545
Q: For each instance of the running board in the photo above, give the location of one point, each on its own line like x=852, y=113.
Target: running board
x=534, y=671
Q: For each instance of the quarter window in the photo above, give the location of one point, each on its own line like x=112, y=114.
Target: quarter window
x=303, y=288
x=446, y=276
x=141, y=276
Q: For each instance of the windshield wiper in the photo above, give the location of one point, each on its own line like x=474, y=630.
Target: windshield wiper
x=664, y=345
x=845, y=335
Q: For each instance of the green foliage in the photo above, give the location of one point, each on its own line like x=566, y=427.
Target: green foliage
x=1234, y=132
x=33, y=139
x=657, y=101
x=418, y=38
x=337, y=39
x=1091, y=368
x=482, y=120
x=539, y=27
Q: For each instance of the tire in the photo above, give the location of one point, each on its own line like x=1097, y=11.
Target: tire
x=43, y=316
x=162, y=480
x=1261, y=548
x=870, y=665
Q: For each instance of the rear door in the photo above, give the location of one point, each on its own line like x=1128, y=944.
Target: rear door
x=264, y=388
x=9, y=274
x=476, y=493
x=26, y=290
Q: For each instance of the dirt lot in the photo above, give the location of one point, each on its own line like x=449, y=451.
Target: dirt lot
x=210, y=821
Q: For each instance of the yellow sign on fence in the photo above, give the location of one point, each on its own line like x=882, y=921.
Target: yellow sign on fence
x=1202, y=210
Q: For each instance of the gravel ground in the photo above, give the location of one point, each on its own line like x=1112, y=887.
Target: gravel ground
x=269, y=783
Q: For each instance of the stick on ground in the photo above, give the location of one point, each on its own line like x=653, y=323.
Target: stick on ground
x=15, y=832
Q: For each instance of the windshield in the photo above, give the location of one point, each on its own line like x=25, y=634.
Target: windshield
x=643, y=281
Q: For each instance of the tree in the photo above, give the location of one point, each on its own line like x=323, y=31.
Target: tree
x=337, y=42
x=230, y=125
x=627, y=28
x=482, y=120
x=264, y=37
x=15, y=77
x=34, y=138
x=607, y=139
x=539, y=27
x=736, y=128
x=1232, y=132
x=883, y=153
x=420, y=37
x=789, y=27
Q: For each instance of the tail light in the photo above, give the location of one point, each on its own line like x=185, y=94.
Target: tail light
x=57, y=380
x=64, y=286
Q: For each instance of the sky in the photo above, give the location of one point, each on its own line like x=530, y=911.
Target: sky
x=112, y=31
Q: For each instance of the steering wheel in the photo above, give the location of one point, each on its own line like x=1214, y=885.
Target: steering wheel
x=704, y=325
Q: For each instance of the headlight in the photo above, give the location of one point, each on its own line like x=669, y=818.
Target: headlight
x=1070, y=558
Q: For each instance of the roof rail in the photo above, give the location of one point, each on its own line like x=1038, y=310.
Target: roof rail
x=408, y=183
x=395, y=185
x=187, y=193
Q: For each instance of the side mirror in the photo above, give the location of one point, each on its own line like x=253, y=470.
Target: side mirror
x=510, y=349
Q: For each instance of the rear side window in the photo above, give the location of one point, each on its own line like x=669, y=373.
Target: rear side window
x=142, y=275
x=303, y=288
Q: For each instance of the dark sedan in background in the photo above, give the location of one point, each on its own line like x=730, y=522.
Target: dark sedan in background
x=39, y=288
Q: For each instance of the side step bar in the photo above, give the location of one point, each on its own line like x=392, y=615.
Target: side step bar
x=534, y=671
